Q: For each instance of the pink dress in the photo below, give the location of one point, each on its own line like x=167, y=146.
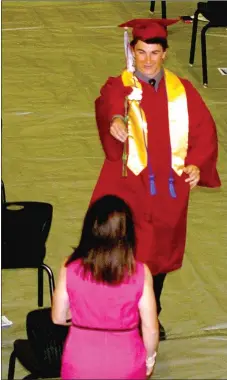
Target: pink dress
x=104, y=340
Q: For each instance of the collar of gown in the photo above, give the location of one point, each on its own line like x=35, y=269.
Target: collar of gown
x=144, y=78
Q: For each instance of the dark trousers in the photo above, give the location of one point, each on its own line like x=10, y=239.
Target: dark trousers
x=158, y=281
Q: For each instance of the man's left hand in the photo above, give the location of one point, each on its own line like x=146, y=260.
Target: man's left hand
x=193, y=175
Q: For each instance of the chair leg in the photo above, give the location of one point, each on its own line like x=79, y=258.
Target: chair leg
x=204, y=54
x=51, y=279
x=163, y=9
x=152, y=6
x=40, y=287
x=3, y=192
x=11, y=369
x=193, y=38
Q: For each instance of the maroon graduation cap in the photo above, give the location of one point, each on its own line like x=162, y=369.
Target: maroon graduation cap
x=145, y=29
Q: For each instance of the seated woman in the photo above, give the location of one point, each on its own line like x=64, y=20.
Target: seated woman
x=109, y=294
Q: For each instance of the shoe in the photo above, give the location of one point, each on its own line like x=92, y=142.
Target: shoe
x=201, y=18
x=162, y=332
x=6, y=322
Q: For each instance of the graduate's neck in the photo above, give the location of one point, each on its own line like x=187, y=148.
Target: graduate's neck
x=158, y=76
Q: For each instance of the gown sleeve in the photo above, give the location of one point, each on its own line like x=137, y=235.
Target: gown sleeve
x=203, y=142
x=107, y=105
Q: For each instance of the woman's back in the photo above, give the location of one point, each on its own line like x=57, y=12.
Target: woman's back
x=99, y=305
x=104, y=332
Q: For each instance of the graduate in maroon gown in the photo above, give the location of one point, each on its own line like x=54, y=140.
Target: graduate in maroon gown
x=160, y=142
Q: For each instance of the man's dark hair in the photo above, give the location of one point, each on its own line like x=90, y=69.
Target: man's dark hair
x=107, y=243
x=157, y=40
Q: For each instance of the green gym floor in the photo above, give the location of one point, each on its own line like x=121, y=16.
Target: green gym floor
x=55, y=57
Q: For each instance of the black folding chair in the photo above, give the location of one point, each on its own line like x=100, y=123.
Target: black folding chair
x=25, y=228
x=41, y=353
x=216, y=14
x=163, y=6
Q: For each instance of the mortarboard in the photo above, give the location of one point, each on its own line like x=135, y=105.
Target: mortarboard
x=145, y=29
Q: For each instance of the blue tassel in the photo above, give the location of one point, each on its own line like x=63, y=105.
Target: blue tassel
x=171, y=188
x=152, y=185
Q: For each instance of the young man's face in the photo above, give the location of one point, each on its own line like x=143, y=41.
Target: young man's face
x=148, y=58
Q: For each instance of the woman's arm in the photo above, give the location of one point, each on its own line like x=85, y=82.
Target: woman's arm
x=60, y=312
x=149, y=319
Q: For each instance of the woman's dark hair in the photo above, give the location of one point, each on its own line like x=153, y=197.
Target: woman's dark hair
x=107, y=242
x=157, y=40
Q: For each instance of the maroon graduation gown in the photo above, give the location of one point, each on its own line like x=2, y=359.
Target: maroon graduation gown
x=160, y=220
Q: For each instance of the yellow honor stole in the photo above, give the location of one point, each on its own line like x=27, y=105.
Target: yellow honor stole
x=137, y=158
